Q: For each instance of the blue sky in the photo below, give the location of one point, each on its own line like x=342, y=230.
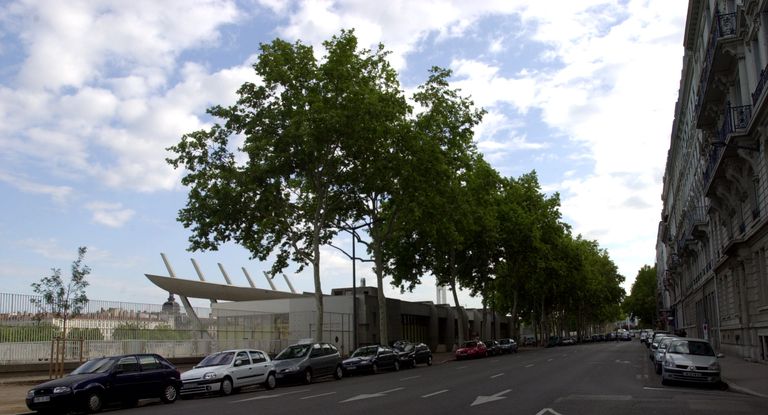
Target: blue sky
x=92, y=92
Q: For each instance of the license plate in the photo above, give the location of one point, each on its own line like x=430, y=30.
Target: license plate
x=39, y=399
x=352, y=368
x=692, y=374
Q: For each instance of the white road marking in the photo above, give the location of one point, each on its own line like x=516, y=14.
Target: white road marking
x=370, y=395
x=549, y=360
x=434, y=393
x=271, y=396
x=495, y=397
x=317, y=396
x=531, y=365
x=600, y=397
x=497, y=375
x=411, y=377
x=461, y=367
x=548, y=411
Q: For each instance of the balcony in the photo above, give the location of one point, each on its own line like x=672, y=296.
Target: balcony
x=735, y=121
x=723, y=28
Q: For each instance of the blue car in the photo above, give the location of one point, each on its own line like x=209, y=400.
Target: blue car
x=117, y=379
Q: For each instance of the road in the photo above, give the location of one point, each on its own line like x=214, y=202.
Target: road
x=601, y=378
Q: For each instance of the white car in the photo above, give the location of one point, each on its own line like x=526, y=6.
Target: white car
x=228, y=371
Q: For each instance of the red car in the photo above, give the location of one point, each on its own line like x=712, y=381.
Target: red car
x=471, y=349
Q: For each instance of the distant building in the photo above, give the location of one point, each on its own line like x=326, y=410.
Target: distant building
x=712, y=247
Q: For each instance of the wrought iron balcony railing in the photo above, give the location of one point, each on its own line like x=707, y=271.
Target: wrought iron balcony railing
x=722, y=25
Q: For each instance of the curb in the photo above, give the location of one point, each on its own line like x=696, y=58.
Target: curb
x=742, y=389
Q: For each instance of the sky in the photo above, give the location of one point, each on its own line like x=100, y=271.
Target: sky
x=93, y=92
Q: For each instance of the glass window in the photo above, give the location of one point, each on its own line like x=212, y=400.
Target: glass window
x=244, y=357
x=257, y=357
x=128, y=364
x=149, y=363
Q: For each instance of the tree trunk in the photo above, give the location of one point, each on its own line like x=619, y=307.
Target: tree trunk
x=377, y=254
x=460, y=314
x=318, y=291
x=515, y=319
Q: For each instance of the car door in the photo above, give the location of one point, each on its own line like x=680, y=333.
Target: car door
x=317, y=360
x=242, y=370
x=152, y=376
x=127, y=380
x=260, y=364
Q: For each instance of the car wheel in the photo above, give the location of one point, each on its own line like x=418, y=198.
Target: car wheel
x=413, y=362
x=664, y=382
x=307, y=377
x=339, y=373
x=271, y=382
x=397, y=366
x=93, y=403
x=226, y=386
x=658, y=369
x=429, y=361
x=170, y=393
x=375, y=368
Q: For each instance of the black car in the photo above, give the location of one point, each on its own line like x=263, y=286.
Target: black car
x=371, y=359
x=124, y=379
x=493, y=347
x=411, y=354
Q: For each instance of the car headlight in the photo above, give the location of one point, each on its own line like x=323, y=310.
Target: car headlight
x=714, y=366
x=30, y=393
x=292, y=369
x=62, y=389
x=210, y=375
x=669, y=362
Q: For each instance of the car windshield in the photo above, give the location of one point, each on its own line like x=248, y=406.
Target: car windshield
x=504, y=341
x=365, y=351
x=217, y=359
x=470, y=344
x=102, y=365
x=294, y=352
x=692, y=348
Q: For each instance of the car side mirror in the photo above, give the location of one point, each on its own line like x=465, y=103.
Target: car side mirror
x=238, y=362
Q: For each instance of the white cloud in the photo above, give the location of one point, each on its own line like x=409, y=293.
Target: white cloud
x=59, y=194
x=110, y=214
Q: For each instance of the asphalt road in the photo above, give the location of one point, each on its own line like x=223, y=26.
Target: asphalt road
x=602, y=378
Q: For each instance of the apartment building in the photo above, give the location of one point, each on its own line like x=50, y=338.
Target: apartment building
x=712, y=248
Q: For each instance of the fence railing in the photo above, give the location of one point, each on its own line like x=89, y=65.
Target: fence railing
x=110, y=328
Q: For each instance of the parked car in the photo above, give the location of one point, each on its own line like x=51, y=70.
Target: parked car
x=568, y=341
x=690, y=360
x=508, y=345
x=471, y=349
x=98, y=382
x=306, y=361
x=492, y=347
x=228, y=371
x=411, y=354
x=658, y=357
x=371, y=359
x=654, y=343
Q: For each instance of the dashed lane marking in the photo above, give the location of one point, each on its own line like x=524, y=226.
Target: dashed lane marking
x=411, y=377
x=434, y=393
x=497, y=375
x=317, y=396
x=531, y=365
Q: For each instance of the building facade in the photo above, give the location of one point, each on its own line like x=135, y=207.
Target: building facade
x=712, y=247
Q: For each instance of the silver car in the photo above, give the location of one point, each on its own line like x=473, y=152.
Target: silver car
x=228, y=371
x=690, y=360
x=658, y=354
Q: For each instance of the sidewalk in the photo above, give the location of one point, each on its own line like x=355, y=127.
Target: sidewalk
x=745, y=377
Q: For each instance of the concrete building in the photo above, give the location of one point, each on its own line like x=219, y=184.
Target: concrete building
x=275, y=319
x=713, y=235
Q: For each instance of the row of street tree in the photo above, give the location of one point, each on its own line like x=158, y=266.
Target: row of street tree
x=321, y=146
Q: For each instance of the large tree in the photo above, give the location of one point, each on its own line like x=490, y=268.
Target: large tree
x=433, y=237
x=291, y=192
x=641, y=301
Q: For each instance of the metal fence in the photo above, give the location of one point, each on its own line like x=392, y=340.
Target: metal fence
x=111, y=328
